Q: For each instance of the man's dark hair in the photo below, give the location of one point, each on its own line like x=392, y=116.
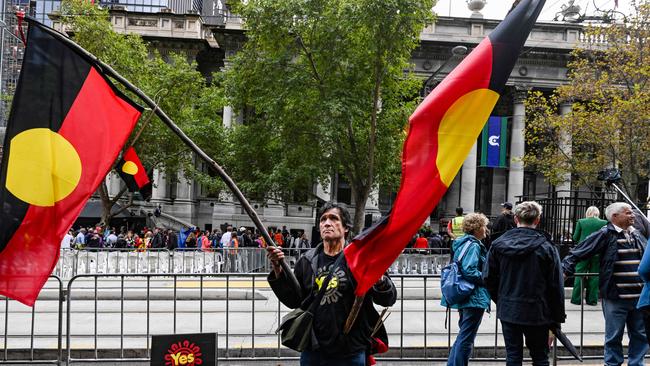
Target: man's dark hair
x=459, y=211
x=346, y=220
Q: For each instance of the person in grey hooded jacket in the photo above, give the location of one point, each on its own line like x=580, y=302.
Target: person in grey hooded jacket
x=523, y=275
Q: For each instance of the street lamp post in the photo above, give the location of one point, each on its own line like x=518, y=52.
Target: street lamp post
x=456, y=51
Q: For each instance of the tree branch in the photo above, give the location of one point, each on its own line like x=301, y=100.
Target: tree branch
x=118, y=196
x=123, y=208
x=315, y=73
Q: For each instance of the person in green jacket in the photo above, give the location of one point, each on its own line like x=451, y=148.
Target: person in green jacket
x=584, y=228
x=471, y=310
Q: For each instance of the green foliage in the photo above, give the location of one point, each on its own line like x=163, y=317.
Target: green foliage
x=175, y=84
x=609, y=124
x=325, y=86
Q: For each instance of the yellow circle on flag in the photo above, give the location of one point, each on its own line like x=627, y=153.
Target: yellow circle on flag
x=129, y=167
x=43, y=167
x=458, y=129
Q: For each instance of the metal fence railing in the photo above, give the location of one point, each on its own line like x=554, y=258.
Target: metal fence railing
x=111, y=318
x=34, y=335
x=74, y=262
x=562, y=209
x=244, y=313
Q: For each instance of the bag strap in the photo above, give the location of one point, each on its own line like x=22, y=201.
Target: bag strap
x=326, y=281
x=462, y=253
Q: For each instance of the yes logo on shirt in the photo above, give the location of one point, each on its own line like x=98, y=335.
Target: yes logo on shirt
x=335, y=286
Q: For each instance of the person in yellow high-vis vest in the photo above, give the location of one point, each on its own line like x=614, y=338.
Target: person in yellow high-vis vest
x=455, y=226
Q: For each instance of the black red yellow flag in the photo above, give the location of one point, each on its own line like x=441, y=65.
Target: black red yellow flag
x=133, y=173
x=66, y=127
x=442, y=130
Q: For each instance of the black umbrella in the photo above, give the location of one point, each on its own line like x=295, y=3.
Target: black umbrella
x=560, y=336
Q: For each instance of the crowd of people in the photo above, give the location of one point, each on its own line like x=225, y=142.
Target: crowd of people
x=523, y=275
x=109, y=238
x=509, y=261
x=520, y=271
x=190, y=238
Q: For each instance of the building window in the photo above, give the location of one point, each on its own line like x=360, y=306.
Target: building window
x=140, y=22
x=172, y=184
x=179, y=24
x=386, y=199
x=343, y=190
x=477, y=30
x=530, y=185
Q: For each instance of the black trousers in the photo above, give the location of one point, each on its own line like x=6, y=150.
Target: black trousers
x=536, y=342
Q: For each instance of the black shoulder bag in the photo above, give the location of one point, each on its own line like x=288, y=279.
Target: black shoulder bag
x=296, y=327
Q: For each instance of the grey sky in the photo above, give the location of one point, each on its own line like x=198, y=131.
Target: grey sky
x=497, y=9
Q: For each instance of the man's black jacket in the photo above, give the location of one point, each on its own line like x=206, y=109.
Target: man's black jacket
x=523, y=274
x=601, y=242
x=157, y=241
x=503, y=223
x=330, y=316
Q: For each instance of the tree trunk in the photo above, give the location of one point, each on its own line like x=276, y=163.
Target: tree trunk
x=106, y=204
x=360, y=198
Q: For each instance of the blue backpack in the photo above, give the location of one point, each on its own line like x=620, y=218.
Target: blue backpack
x=455, y=288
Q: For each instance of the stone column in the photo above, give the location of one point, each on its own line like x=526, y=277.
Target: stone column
x=468, y=181
x=184, y=208
x=183, y=188
x=113, y=183
x=564, y=189
x=159, y=188
x=227, y=116
x=323, y=192
x=517, y=148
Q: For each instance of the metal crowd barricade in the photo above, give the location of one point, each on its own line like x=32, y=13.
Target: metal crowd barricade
x=66, y=266
x=112, y=318
x=73, y=262
x=34, y=335
x=252, y=260
x=220, y=260
x=112, y=260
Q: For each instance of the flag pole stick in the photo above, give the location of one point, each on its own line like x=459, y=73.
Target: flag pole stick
x=172, y=126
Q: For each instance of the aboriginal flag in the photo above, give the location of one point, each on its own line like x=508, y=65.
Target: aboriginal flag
x=132, y=172
x=442, y=130
x=66, y=127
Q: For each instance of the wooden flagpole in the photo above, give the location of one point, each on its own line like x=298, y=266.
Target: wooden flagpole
x=172, y=126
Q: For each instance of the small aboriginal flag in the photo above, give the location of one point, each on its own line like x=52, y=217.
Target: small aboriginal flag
x=133, y=173
x=67, y=125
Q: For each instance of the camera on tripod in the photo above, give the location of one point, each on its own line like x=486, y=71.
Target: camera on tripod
x=610, y=176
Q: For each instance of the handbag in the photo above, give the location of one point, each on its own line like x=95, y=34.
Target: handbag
x=455, y=288
x=297, y=326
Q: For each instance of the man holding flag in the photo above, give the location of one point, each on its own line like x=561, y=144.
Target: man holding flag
x=331, y=345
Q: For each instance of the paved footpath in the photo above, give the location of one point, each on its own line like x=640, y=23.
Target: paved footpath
x=391, y=363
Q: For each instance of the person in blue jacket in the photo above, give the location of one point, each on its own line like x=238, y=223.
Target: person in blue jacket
x=471, y=310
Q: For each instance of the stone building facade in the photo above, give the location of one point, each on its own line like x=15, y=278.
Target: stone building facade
x=212, y=38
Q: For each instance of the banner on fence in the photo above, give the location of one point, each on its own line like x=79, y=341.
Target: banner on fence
x=184, y=349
